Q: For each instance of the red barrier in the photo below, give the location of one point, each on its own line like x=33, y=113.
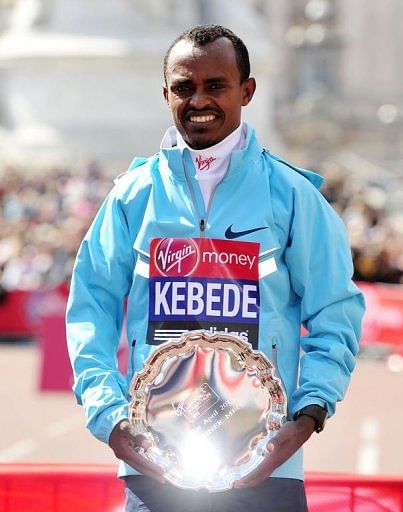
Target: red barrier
x=55, y=368
x=59, y=488
x=383, y=321
x=21, y=311
x=41, y=314
x=14, y=314
x=353, y=493
x=95, y=488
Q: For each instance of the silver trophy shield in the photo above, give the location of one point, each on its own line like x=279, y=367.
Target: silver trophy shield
x=208, y=404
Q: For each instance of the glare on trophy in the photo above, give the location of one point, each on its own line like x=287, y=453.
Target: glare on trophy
x=208, y=404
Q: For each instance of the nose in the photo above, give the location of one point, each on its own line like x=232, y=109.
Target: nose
x=200, y=99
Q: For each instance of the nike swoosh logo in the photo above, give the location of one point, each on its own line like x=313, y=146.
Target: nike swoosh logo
x=237, y=234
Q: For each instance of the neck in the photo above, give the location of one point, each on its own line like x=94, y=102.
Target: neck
x=227, y=145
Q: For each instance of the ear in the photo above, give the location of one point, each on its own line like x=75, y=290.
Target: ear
x=165, y=93
x=248, y=90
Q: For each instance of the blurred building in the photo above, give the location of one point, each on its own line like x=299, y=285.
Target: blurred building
x=340, y=82
x=83, y=79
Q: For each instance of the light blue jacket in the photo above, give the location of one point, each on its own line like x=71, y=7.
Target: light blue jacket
x=305, y=279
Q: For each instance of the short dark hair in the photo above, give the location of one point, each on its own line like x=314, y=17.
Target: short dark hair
x=201, y=35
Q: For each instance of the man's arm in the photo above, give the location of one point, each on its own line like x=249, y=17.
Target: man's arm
x=332, y=307
x=100, y=283
x=319, y=261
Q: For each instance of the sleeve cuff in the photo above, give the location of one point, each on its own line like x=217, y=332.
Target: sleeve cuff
x=308, y=401
x=107, y=420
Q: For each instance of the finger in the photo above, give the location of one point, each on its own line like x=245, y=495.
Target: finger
x=259, y=474
x=140, y=460
x=127, y=451
x=146, y=444
x=147, y=468
x=240, y=484
x=140, y=440
x=140, y=444
x=144, y=465
x=270, y=447
x=252, y=480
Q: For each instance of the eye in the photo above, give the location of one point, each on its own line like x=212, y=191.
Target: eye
x=181, y=89
x=216, y=85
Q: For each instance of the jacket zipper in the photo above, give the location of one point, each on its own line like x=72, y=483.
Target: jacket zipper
x=201, y=221
x=131, y=358
x=274, y=353
x=274, y=349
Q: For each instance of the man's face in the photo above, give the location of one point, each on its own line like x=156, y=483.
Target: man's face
x=204, y=91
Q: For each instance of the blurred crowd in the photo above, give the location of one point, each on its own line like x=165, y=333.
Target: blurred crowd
x=43, y=218
x=374, y=223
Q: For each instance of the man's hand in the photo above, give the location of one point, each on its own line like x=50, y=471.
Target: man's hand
x=285, y=443
x=124, y=441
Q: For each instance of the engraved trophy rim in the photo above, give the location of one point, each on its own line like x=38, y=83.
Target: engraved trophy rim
x=248, y=360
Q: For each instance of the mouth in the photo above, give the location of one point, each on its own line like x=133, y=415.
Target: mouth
x=202, y=118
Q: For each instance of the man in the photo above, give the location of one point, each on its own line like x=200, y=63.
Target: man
x=213, y=179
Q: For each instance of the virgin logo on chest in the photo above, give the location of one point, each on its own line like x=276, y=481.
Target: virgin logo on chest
x=204, y=164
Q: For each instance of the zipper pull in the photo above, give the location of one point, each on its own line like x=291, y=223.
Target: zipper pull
x=202, y=226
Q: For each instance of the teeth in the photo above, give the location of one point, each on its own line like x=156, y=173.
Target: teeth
x=202, y=119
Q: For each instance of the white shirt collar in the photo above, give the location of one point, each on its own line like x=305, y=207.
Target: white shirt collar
x=223, y=148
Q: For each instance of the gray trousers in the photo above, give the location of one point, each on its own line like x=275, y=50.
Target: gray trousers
x=144, y=494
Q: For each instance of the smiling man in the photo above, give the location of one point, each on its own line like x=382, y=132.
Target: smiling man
x=213, y=182
x=206, y=90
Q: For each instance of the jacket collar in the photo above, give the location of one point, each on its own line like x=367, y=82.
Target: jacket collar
x=172, y=156
x=172, y=162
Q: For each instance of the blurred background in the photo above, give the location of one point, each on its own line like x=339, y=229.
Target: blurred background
x=80, y=96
